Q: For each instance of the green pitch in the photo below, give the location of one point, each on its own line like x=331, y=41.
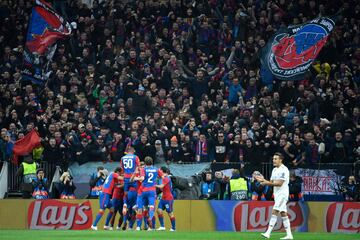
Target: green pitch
x=100, y=235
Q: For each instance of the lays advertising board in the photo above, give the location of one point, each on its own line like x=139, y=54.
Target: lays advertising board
x=195, y=215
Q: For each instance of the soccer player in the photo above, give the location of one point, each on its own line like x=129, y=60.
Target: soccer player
x=131, y=198
x=280, y=181
x=106, y=194
x=166, y=201
x=117, y=203
x=129, y=163
x=148, y=177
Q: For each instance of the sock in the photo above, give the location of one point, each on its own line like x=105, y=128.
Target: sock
x=132, y=221
x=172, y=219
x=153, y=222
x=98, y=217
x=287, y=227
x=146, y=218
x=161, y=220
x=112, y=220
x=139, y=218
x=125, y=218
x=109, y=216
x=151, y=213
x=271, y=223
x=120, y=220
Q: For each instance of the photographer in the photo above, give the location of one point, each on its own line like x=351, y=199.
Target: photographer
x=209, y=187
x=40, y=185
x=351, y=190
x=260, y=192
x=66, y=186
x=96, y=182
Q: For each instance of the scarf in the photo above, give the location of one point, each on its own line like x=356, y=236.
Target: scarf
x=201, y=148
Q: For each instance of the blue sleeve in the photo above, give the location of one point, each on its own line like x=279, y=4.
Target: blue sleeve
x=226, y=80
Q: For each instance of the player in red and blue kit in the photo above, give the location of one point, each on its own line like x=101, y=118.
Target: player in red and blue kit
x=130, y=199
x=129, y=163
x=148, y=177
x=117, y=202
x=106, y=194
x=167, y=200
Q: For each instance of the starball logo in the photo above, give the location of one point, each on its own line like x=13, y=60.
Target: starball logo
x=255, y=216
x=343, y=217
x=52, y=214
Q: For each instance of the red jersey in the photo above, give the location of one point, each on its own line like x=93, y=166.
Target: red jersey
x=118, y=191
x=167, y=190
x=110, y=183
x=138, y=184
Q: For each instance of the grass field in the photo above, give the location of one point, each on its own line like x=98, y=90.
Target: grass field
x=99, y=235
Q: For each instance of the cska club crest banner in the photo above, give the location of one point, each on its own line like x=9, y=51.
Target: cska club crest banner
x=46, y=27
x=291, y=51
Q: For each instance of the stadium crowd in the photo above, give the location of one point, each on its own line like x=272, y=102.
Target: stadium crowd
x=181, y=82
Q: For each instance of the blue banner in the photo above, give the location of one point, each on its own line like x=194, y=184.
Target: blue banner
x=290, y=52
x=82, y=174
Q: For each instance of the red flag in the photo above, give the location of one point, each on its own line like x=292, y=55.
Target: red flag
x=25, y=145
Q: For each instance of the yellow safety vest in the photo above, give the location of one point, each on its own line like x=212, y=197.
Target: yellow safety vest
x=238, y=185
x=29, y=168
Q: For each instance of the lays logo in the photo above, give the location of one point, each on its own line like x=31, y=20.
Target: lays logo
x=53, y=214
x=343, y=217
x=255, y=216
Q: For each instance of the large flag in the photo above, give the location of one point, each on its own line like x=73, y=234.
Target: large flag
x=291, y=51
x=26, y=145
x=46, y=27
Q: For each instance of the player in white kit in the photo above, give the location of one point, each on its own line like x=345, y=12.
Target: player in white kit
x=280, y=181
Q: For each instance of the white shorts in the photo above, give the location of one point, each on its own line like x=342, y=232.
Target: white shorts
x=280, y=203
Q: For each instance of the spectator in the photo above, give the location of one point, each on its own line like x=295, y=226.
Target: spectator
x=187, y=68
x=84, y=152
x=141, y=103
x=209, y=187
x=117, y=147
x=143, y=148
x=338, y=151
x=295, y=187
x=221, y=149
x=160, y=153
x=53, y=155
x=312, y=154
x=237, y=188
x=201, y=149
x=297, y=152
x=99, y=150
x=351, y=190
x=40, y=185
x=175, y=153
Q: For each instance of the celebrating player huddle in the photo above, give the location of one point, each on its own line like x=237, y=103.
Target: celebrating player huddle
x=131, y=191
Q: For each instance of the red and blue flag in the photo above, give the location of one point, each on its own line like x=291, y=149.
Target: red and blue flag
x=46, y=27
x=291, y=51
